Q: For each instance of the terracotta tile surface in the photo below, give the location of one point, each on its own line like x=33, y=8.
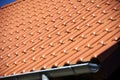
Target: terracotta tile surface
x=36, y=34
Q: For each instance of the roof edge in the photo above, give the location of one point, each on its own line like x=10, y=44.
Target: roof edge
x=56, y=72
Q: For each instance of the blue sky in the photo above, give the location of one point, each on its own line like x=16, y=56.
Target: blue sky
x=4, y=2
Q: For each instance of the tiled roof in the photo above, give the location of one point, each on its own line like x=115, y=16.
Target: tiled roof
x=36, y=34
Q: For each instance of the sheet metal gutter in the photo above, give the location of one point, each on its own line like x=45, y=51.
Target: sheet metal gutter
x=55, y=72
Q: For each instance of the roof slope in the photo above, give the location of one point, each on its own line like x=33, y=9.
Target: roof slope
x=40, y=34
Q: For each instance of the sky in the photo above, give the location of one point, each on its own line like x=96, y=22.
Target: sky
x=4, y=2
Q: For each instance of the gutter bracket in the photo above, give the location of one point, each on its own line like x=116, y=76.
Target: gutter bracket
x=44, y=77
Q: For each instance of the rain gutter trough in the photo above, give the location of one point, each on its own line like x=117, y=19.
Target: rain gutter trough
x=55, y=72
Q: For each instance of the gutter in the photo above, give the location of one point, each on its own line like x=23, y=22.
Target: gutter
x=55, y=72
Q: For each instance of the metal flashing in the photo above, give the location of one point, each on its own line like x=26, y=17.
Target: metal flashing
x=55, y=72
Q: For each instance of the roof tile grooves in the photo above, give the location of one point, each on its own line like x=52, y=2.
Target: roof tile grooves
x=54, y=33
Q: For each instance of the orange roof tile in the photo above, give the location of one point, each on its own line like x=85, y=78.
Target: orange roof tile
x=40, y=34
